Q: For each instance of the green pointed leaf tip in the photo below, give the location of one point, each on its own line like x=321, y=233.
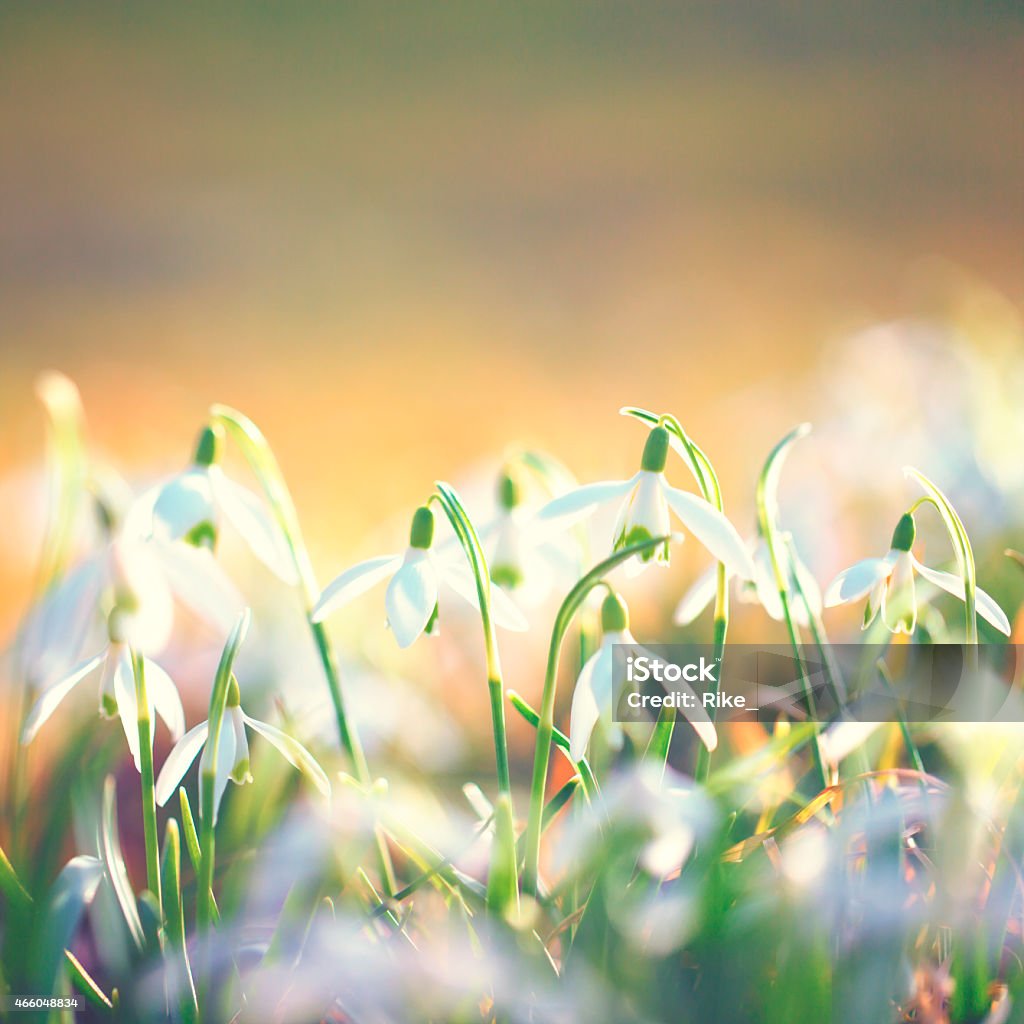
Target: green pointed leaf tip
x=209, y=445
x=655, y=451
x=614, y=614
x=904, y=535
x=421, y=533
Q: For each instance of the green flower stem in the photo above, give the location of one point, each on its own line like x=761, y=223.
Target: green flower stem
x=546, y=724
x=503, y=872
x=767, y=486
x=264, y=465
x=148, y=781
x=961, y=547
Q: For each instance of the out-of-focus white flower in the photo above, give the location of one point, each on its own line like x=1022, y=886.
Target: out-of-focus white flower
x=761, y=588
x=645, y=511
x=594, y=698
x=411, y=599
x=233, y=753
x=661, y=811
x=117, y=691
x=888, y=584
x=191, y=506
x=524, y=558
x=154, y=573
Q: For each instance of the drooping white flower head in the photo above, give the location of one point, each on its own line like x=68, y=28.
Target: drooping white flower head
x=117, y=686
x=232, y=753
x=595, y=697
x=644, y=513
x=761, y=589
x=192, y=505
x=888, y=583
x=141, y=578
x=417, y=575
x=523, y=557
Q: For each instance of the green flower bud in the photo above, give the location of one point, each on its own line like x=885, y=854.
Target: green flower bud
x=209, y=446
x=614, y=614
x=655, y=451
x=905, y=533
x=509, y=493
x=234, y=694
x=421, y=534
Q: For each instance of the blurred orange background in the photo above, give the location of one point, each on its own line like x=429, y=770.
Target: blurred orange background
x=400, y=240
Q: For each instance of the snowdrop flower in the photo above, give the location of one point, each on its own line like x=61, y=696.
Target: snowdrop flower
x=761, y=588
x=411, y=599
x=232, y=753
x=521, y=558
x=154, y=573
x=888, y=585
x=645, y=511
x=595, y=695
x=117, y=688
x=191, y=506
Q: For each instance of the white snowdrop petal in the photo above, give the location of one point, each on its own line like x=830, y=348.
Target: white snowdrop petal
x=127, y=705
x=256, y=526
x=135, y=566
x=163, y=696
x=179, y=505
x=411, y=597
x=899, y=598
x=353, y=582
x=294, y=752
x=225, y=760
x=953, y=584
x=179, y=760
x=198, y=581
x=697, y=598
x=571, y=507
x=585, y=709
x=54, y=694
x=857, y=582
x=504, y=610
x=713, y=530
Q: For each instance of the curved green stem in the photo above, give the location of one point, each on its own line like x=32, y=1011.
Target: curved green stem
x=546, y=724
x=264, y=464
x=503, y=884
x=767, y=512
x=961, y=547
